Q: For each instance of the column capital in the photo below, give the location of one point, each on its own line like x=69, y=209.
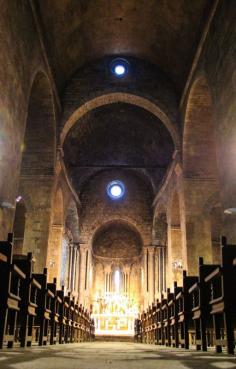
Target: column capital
x=83, y=247
x=151, y=248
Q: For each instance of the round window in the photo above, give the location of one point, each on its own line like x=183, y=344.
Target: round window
x=119, y=67
x=115, y=189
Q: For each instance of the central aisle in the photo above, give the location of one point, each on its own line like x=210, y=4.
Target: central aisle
x=111, y=355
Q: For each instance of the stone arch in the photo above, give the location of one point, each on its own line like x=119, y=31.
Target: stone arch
x=200, y=171
x=117, y=228
x=37, y=167
x=39, y=146
x=54, y=255
x=199, y=141
x=125, y=98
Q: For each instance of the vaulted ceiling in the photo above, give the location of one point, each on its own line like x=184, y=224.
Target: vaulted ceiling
x=164, y=32
x=118, y=136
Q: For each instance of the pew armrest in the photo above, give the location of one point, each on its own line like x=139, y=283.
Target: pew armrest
x=213, y=274
x=18, y=271
x=3, y=258
x=193, y=287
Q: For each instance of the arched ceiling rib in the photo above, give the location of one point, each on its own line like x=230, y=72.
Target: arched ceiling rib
x=165, y=32
x=118, y=136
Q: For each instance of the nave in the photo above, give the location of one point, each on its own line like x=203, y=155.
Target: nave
x=112, y=355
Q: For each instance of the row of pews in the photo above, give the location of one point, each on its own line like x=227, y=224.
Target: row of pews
x=33, y=311
x=202, y=312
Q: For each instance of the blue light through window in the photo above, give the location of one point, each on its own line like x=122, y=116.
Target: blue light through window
x=119, y=67
x=115, y=189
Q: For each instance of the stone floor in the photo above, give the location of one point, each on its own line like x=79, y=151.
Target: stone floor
x=111, y=355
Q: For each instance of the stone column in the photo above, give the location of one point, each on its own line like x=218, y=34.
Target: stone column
x=54, y=252
x=36, y=237
x=145, y=277
x=197, y=193
x=83, y=249
x=176, y=261
x=156, y=272
x=70, y=266
x=74, y=265
x=151, y=250
x=77, y=270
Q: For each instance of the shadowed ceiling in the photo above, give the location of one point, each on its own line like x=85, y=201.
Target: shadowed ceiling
x=164, y=32
x=117, y=240
x=118, y=135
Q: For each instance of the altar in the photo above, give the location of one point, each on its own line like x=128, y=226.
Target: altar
x=114, y=314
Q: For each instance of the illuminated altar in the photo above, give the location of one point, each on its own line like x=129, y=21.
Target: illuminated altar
x=114, y=314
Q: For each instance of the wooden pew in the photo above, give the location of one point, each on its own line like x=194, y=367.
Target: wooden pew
x=44, y=302
x=149, y=325
x=28, y=304
x=142, y=326
x=76, y=323
x=157, y=306
x=166, y=318
x=173, y=316
x=69, y=316
x=87, y=326
x=153, y=325
x=184, y=302
x=63, y=306
x=10, y=279
x=222, y=282
x=200, y=295
x=55, y=313
x=159, y=313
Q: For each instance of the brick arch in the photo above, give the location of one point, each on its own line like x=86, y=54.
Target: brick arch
x=125, y=98
x=199, y=143
x=39, y=145
x=37, y=168
x=120, y=221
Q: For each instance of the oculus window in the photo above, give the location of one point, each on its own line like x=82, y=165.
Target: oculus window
x=115, y=190
x=119, y=67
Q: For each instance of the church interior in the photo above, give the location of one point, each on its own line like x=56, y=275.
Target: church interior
x=117, y=184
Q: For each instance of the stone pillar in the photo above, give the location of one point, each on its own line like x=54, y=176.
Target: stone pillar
x=77, y=269
x=161, y=270
x=74, y=264
x=83, y=249
x=156, y=272
x=197, y=193
x=198, y=236
x=175, y=256
x=151, y=251
x=108, y=279
x=145, y=277
x=70, y=266
x=54, y=252
x=36, y=235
